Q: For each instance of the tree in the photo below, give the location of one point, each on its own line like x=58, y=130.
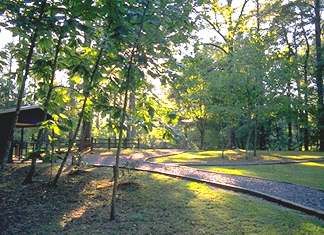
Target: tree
x=61, y=28
x=156, y=23
x=319, y=72
x=189, y=90
x=18, y=19
x=109, y=25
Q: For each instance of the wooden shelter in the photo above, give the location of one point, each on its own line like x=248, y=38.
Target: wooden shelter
x=29, y=116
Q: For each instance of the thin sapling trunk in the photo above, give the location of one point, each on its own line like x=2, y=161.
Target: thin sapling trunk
x=29, y=177
x=81, y=115
x=123, y=116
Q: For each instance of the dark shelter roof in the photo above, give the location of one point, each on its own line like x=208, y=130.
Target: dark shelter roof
x=29, y=116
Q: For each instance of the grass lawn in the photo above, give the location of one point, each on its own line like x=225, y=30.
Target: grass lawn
x=236, y=155
x=309, y=174
x=294, y=154
x=199, y=156
x=147, y=204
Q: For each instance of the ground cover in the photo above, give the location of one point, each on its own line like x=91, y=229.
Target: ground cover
x=216, y=156
x=147, y=204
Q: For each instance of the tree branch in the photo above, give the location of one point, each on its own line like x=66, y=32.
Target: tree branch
x=216, y=29
x=217, y=46
x=240, y=16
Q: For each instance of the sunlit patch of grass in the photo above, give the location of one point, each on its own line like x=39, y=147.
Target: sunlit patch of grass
x=197, y=156
x=233, y=171
x=72, y=215
x=101, y=184
x=215, y=156
x=112, y=152
x=316, y=164
x=309, y=174
x=294, y=154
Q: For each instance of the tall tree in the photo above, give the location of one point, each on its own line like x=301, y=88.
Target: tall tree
x=53, y=67
x=40, y=9
x=128, y=77
x=319, y=71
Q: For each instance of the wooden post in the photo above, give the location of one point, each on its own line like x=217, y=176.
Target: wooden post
x=138, y=143
x=91, y=144
x=21, y=147
x=125, y=143
x=52, y=144
x=17, y=151
x=11, y=152
x=26, y=149
x=109, y=143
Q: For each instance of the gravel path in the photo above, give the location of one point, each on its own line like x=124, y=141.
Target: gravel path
x=300, y=197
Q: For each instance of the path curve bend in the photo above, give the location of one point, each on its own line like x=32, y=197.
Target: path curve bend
x=306, y=199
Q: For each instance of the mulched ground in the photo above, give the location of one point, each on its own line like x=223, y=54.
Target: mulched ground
x=25, y=207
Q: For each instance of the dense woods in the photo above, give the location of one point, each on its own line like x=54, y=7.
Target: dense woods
x=200, y=74
x=207, y=74
x=257, y=82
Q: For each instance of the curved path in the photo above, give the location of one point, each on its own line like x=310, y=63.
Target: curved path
x=298, y=197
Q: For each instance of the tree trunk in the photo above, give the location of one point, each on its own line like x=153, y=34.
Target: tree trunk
x=258, y=18
x=81, y=114
x=290, y=135
x=278, y=136
x=202, y=139
x=298, y=137
x=131, y=132
x=123, y=116
x=231, y=139
x=8, y=141
x=247, y=146
x=202, y=129
x=255, y=137
x=29, y=177
x=305, y=68
x=120, y=136
x=9, y=91
x=319, y=73
x=85, y=137
x=262, y=138
x=306, y=139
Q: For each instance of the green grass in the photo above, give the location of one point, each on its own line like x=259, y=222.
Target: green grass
x=295, y=154
x=235, y=155
x=198, y=156
x=309, y=174
x=153, y=204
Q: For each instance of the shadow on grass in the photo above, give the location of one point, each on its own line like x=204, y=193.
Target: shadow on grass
x=150, y=204
x=164, y=205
